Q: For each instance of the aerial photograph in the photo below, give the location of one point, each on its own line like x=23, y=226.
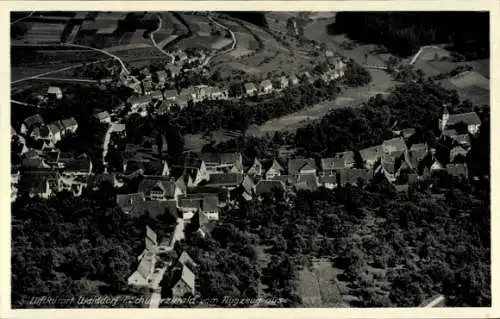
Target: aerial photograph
x=250, y=159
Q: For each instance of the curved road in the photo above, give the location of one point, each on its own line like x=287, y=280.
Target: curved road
x=124, y=68
x=233, y=46
x=152, y=37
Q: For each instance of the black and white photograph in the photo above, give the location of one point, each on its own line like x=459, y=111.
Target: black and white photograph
x=250, y=159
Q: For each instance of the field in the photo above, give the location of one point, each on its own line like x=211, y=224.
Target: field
x=470, y=85
x=202, y=37
x=317, y=286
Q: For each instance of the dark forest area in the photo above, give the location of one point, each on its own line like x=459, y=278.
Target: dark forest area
x=404, y=32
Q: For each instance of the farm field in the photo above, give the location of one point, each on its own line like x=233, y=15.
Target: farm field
x=470, y=85
x=202, y=37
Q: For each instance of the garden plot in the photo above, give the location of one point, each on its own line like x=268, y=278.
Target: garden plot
x=245, y=45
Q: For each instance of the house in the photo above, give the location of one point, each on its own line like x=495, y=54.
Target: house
x=186, y=260
x=183, y=282
x=55, y=92
x=51, y=133
x=141, y=277
x=78, y=167
x=293, y=80
x=407, y=133
x=458, y=154
x=34, y=163
x=161, y=75
x=328, y=181
x=70, y=125
x=436, y=166
x=274, y=170
x=389, y=166
x=40, y=182
x=288, y=180
x=95, y=181
x=192, y=169
x=266, y=87
x=146, y=167
x=394, y=146
x=268, y=187
x=353, y=176
x=173, y=69
x=139, y=102
x=58, y=159
x=307, y=182
x=250, y=89
x=470, y=119
x=222, y=162
x=371, y=155
x=170, y=95
x=31, y=122
x=462, y=139
x=15, y=174
x=255, y=169
x=102, y=116
x=157, y=95
x=347, y=157
x=206, y=204
x=415, y=157
x=225, y=180
x=246, y=189
x=160, y=188
x=330, y=165
x=283, y=82
x=301, y=166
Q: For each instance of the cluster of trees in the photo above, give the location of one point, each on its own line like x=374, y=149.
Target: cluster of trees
x=213, y=115
x=404, y=32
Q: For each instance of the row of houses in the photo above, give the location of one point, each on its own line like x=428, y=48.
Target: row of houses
x=51, y=133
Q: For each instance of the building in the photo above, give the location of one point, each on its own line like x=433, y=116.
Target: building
x=183, y=282
x=470, y=120
x=103, y=116
x=283, y=82
x=457, y=170
x=162, y=76
x=160, y=188
x=173, y=69
x=293, y=80
x=347, y=158
x=206, y=204
x=222, y=162
x=330, y=165
x=307, y=182
x=458, y=154
x=31, y=122
x=78, y=167
x=371, y=155
x=255, y=169
x=192, y=169
x=274, y=170
x=301, y=166
x=389, y=166
x=328, y=181
x=250, y=89
x=141, y=277
x=41, y=182
x=395, y=146
x=55, y=92
x=227, y=181
x=266, y=87
x=353, y=176
x=132, y=204
x=170, y=95
x=70, y=125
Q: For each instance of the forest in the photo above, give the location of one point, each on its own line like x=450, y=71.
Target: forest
x=404, y=32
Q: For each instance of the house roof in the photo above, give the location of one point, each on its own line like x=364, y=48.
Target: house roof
x=55, y=127
x=54, y=90
x=351, y=175
x=394, y=145
x=220, y=158
x=408, y=132
x=371, y=153
x=146, y=264
x=164, y=183
x=328, y=179
x=450, y=133
x=307, y=182
x=248, y=184
x=69, y=122
x=186, y=260
x=268, y=186
x=139, y=99
x=187, y=276
x=331, y=163
x=276, y=166
x=296, y=164
x=102, y=115
x=287, y=179
x=34, y=163
x=160, y=207
x=161, y=73
x=35, y=181
x=250, y=86
x=154, y=167
x=470, y=118
x=33, y=120
x=456, y=169
x=78, y=165
x=462, y=139
x=293, y=78
x=151, y=235
x=131, y=203
x=225, y=179
x=390, y=164
x=170, y=94
x=458, y=150
x=256, y=165
x=347, y=156
x=266, y=83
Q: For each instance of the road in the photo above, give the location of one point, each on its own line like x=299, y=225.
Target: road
x=124, y=68
x=56, y=71
x=222, y=52
x=68, y=80
x=152, y=37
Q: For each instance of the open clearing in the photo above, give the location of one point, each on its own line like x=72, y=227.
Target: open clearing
x=470, y=85
x=351, y=97
x=317, y=286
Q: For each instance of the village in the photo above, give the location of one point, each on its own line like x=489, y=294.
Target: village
x=128, y=140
